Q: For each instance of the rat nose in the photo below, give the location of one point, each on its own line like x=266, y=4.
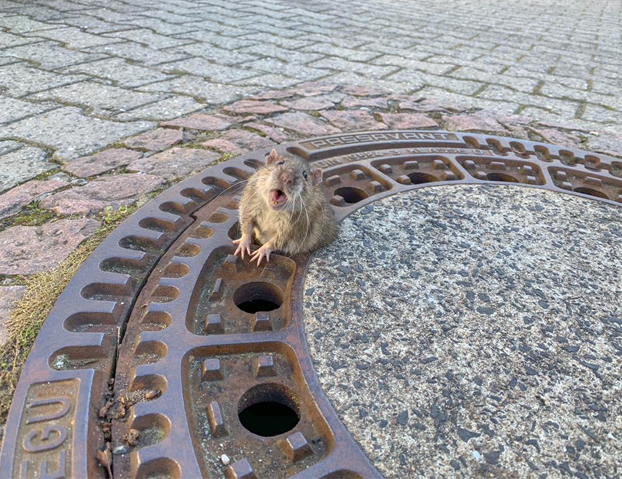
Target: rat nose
x=287, y=177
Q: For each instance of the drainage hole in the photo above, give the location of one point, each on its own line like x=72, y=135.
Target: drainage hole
x=258, y=297
x=501, y=177
x=351, y=195
x=268, y=410
x=418, y=178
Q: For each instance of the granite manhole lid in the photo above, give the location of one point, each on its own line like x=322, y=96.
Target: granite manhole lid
x=189, y=362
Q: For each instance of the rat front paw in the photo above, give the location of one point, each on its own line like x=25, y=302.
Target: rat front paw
x=244, y=245
x=263, y=252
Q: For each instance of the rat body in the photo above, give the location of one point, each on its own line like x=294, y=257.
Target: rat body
x=285, y=210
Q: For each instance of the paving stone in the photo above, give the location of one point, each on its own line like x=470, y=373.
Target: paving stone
x=50, y=55
x=203, y=68
x=175, y=163
x=425, y=105
x=223, y=146
x=12, y=109
x=357, y=90
x=311, y=103
x=244, y=140
x=73, y=37
x=19, y=79
x=297, y=71
x=23, y=24
x=266, y=80
x=28, y=250
x=166, y=109
x=101, y=162
x=71, y=133
x=556, y=137
x=215, y=54
x=213, y=93
x=277, y=135
x=15, y=199
x=9, y=295
x=202, y=122
x=21, y=165
x=137, y=52
x=303, y=123
x=114, y=191
x=254, y=107
x=609, y=144
x=118, y=70
x=314, y=88
x=147, y=37
x=353, y=120
x=354, y=102
x=406, y=121
x=471, y=123
x=107, y=98
x=10, y=40
x=156, y=140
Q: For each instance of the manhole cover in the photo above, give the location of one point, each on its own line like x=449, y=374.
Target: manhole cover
x=191, y=362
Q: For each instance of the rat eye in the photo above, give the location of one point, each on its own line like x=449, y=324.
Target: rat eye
x=280, y=163
x=304, y=173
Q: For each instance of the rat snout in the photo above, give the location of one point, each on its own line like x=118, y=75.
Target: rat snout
x=287, y=177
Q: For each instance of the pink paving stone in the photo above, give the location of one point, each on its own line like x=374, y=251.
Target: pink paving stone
x=14, y=200
x=156, y=140
x=101, y=162
x=362, y=91
x=31, y=249
x=95, y=196
x=607, y=144
x=174, y=163
x=557, y=137
x=255, y=107
x=472, y=123
x=407, y=121
x=309, y=103
x=303, y=124
x=354, y=102
x=246, y=139
x=274, y=134
x=223, y=146
x=353, y=120
x=426, y=106
x=202, y=122
x=9, y=295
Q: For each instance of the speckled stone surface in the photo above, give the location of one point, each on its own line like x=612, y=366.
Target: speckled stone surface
x=474, y=331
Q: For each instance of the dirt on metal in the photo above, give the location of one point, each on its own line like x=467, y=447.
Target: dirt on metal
x=167, y=356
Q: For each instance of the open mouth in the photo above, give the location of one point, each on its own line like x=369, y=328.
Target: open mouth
x=277, y=198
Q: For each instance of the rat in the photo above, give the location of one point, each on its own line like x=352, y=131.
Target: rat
x=284, y=209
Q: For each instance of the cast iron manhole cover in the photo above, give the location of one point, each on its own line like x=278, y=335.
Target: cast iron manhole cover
x=183, y=356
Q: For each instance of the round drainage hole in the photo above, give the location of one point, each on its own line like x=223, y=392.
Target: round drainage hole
x=351, y=195
x=419, y=178
x=258, y=297
x=501, y=177
x=268, y=410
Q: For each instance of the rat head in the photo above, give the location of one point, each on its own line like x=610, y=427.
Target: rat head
x=290, y=181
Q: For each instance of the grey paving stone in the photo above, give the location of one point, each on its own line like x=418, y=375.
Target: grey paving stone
x=73, y=37
x=137, y=52
x=88, y=23
x=215, y=54
x=203, y=68
x=12, y=109
x=147, y=37
x=120, y=71
x=366, y=69
x=71, y=133
x=210, y=92
x=22, y=24
x=105, y=99
x=10, y=40
x=288, y=55
x=165, y=109
x=21, y=165
x=301, y=72
x=19, y=79
x=50, y=55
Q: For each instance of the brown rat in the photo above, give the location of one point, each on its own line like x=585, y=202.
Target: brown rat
x=285, y=209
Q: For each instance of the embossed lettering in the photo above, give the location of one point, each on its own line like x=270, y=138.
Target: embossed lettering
x=46, y=443
x=65, y=405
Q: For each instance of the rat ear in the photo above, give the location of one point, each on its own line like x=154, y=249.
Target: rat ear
x=272, y=157
x=316, y=176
